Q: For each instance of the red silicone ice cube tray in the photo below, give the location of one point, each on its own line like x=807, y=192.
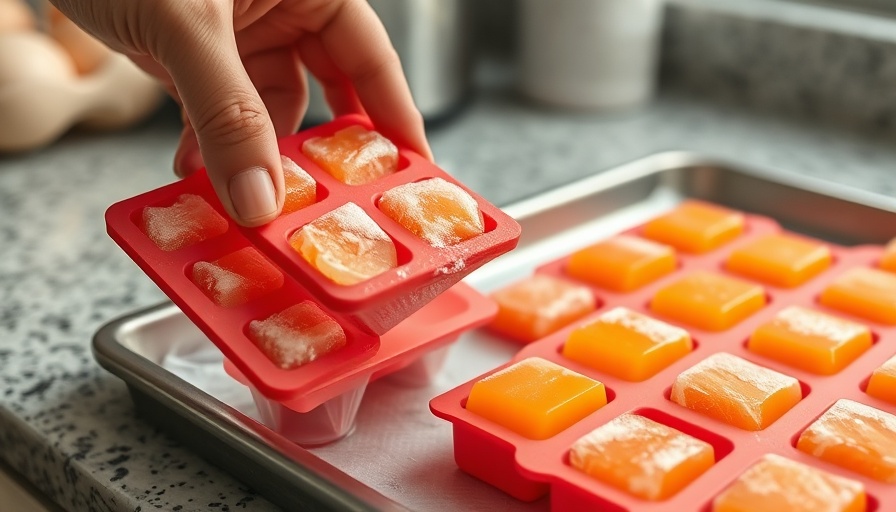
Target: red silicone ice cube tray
x=365, y=310
x=528, y=468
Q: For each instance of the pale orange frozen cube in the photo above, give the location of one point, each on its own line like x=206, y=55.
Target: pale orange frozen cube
x=237, y=278
x=708, y=300
x=883, y=381
x=346, y=245
x=353, y=155
x=854, y=436
x=536, y=398
x=642, y=457
x=435, y=210
x=301, y=189
x=540, y=305
x=888, y=261
x=776, y=483
x=627, y=344
x=187, y=222
x=780, y=260
x=696, y=227
x=736, y=391
x=622, y=263
x=864, y=292
x=810, y=340
x=297, y=335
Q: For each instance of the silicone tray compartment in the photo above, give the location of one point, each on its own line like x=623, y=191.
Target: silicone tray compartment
x=527, y=469
x=412, y=354
x=365, y=310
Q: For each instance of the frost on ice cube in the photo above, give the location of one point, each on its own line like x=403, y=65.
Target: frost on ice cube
x=346, y=245
x=354, y=156
x=301, y=189
x=435, y=210
x=188, y=221
x=237, y=278
x=297, y=335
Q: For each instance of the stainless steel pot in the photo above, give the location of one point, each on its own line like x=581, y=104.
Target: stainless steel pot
x=432, y=40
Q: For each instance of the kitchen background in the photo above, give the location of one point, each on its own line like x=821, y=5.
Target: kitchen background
x=800, y=86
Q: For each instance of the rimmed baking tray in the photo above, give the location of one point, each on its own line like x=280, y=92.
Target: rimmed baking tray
x=400, y=456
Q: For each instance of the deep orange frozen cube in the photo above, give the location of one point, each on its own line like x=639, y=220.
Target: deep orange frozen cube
x=622, y=263
x=435, y=210
x=297, y=335
x=710, y=301
x=854, y=436
x=736, y=391
x=780, y=260
x=188, y=221
x=810, y=340
x=642, y=457
x=539, y=305
x=696, y=227
x=536, y=398
x=627, y=345
x=346, y=245
x=353, y=155
x=237, y=278
x=778, y=483
x=883, y=381
x=888, y=261
x=301, y=189
x=864, y=292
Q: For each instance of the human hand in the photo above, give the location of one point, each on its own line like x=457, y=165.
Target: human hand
x=237, y=69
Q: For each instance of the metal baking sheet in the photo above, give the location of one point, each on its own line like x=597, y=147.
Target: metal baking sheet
x=400, y=456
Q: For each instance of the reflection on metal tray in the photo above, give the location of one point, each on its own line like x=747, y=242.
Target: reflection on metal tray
x=400, y=456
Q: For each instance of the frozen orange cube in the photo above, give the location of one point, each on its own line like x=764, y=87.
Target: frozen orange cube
x=864, y=292
x=696, y=227
x=539, y=305
x=642, y=457
x=536, y=398
x=777, y=483
x=346, y=245
x=888, y=261
x=435, y=210
x=353, y=155
x=297, y=335
x=188, y=221
x=627, y=345
x=622, y=263
x=736, y=391
x=883, y=381
x=854, y=436
x=710, y=301
x=301, y=189
x=810, y=340
x=237, y=278
x=780, y=260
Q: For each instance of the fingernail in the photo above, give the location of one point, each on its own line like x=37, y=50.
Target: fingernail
x=252, y=194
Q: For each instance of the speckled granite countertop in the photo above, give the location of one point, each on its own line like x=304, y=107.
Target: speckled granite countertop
x=69, y=426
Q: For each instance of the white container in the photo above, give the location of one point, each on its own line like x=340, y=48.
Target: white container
x=594, y=54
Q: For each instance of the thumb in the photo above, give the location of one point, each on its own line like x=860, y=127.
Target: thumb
x=235, y=134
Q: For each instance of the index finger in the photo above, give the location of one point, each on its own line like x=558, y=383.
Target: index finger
x=359, y=46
